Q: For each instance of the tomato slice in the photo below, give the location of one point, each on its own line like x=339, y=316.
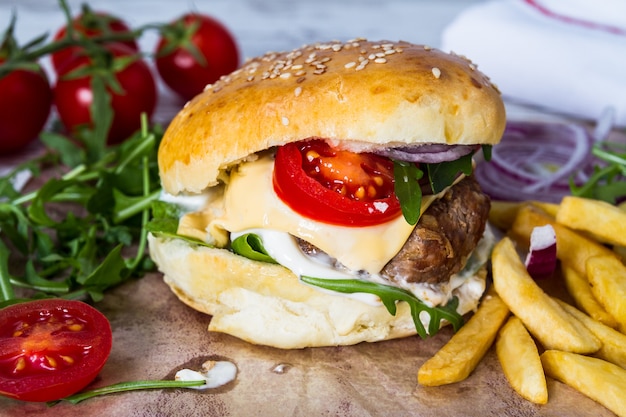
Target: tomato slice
x=335, y=186
x=51, y=348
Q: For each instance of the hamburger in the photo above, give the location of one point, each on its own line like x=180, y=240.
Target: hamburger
x=326, y=194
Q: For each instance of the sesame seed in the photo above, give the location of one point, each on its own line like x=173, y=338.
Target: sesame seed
x=297, y=67
x=436, y=72
x=300, y=73
x=301, y=79
x=371, y=57
x=285, y=75
x=250, y=78
x=350, y=65
x=297, y=91
x=285, y=121
x=472, y=67
x=380, y=60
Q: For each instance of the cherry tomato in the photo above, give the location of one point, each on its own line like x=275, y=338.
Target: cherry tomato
x=51, y=348
x=90, y=24
x=335, y=186
x=25, y=103
x=179, y=68
x=73, y=96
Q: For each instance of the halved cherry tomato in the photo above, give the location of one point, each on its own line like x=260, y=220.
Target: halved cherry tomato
x=335, y=186
x=90, y=24
x=51, y=348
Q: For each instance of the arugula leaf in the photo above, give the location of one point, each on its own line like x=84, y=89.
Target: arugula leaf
x=390, y=295
x=444, y=174
x=487, y=150
x=251, y=246
x=607, y=183
x=408, y=190
x=165, y=217
x=164, y=223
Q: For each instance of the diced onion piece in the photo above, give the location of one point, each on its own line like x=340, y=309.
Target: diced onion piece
x=541, y=259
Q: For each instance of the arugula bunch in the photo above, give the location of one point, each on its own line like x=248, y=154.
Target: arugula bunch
x=82, y=231
x=607, y=182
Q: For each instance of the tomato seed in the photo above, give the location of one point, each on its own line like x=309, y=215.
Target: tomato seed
x=20, y=364
x=51, y=361
x=75, y=327
x=68, y=359
x=311, y=155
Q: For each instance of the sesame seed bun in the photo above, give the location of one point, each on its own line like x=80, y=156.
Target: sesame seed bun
x=358, y=94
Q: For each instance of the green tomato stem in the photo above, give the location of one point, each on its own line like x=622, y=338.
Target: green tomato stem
x=129, y=386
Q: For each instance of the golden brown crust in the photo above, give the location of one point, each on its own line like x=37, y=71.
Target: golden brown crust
x=266, y=304
x=404, y=94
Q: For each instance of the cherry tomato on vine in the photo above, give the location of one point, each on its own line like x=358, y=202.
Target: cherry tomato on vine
x=138, y=94
x=194, y=51
x=335, y=186
x=51, y=348
x=90, y=24
x=25, y=103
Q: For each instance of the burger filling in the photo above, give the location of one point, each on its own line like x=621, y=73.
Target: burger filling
x=429, y=259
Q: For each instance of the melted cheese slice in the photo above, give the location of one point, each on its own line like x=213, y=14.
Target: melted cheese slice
x=249, y=202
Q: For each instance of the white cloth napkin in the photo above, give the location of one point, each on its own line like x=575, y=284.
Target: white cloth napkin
x=566, y=56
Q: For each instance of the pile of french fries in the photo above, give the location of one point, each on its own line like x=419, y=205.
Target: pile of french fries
x=579, y=337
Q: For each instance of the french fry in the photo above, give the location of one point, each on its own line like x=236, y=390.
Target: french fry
x=542, y=316
x=607, y=276
x=580, y=290
x=571, y=247
x=520, y=361
x=502, y=213
x=604, y=221
x=460, y=355
x=613, y=342
x=600, y=380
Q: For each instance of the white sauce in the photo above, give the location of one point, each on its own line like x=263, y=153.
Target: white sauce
x=214, y=373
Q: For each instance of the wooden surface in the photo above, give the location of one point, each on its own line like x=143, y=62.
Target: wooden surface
x=155, y=334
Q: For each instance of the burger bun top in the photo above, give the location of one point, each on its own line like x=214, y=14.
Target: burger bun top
x=358, y=94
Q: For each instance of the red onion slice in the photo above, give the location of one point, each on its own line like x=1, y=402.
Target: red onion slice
x=429, y=154
x=541, y=259
x=536, y=160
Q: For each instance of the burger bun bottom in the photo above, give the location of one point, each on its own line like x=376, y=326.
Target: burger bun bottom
x=266, y=304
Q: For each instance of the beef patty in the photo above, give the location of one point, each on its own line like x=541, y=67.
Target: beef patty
x=442, y=240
